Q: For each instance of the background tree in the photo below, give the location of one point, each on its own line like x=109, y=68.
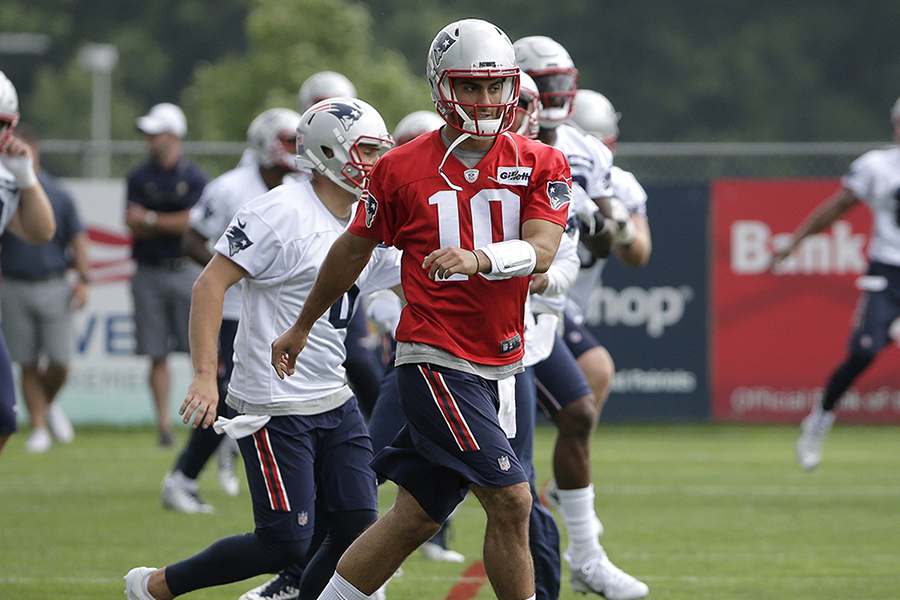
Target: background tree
x=288, y=42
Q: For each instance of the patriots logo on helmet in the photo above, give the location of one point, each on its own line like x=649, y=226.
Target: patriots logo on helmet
x=371, y=205
x=440, y=46
x=237, y=239
x=347, y=114
x=559, y=194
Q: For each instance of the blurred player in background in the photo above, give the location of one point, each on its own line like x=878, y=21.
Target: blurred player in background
x=303, y=439
x=571, y=402
x=272, y=139
x=38, y=301
x=26, y=212
x=873, y=179
x=363, y=367
x=161, y=192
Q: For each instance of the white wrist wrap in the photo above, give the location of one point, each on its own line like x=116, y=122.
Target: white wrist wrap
x=622, y=217
x=512, y=258
x=22, y=168
x=627, y=232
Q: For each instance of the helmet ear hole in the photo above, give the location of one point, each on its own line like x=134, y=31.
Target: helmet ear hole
x=328, y=152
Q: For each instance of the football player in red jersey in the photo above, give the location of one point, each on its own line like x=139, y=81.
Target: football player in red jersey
x=476, y=210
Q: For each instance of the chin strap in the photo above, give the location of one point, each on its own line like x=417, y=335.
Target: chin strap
x=453, y=145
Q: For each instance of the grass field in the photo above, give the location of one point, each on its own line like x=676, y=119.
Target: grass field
x=696, y=511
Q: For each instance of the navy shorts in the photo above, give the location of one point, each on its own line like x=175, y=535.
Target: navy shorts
x=7, y=391
x=877, y=310
x=452, y=439
x=578, y=337
x=560, y=381
x=299, y=462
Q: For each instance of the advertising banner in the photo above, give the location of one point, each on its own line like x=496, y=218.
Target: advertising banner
x=777, y=337
x=107, y=383
x=653, y=320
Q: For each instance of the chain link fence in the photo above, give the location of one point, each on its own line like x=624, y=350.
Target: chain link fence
x=652, y=163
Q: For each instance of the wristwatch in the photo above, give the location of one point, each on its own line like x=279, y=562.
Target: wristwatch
x=150, y=218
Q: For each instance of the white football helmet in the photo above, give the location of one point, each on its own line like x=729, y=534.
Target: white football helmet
x=595, y=115
x=472, y=48
x=322, y=85
x=895, y=111
x=329, y=136
x=272, y=137
x=415, y=124
x=9, y=109
x=529, y=107
x=553, y=71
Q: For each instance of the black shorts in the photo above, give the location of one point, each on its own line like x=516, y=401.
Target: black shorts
x=299, y=462
x=452, y=438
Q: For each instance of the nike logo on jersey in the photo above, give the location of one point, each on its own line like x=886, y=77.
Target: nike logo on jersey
x=514, y=175
x=559, y=194
x=237, y=239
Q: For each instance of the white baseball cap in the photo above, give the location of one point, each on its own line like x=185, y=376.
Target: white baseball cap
x=163, y=118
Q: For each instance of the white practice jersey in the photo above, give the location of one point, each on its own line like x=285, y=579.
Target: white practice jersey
x=9, y=197
x=281, y=240
x=626, y=188
x=590, y=162
x=221, y=199
x=874, y=178
x=566, y=260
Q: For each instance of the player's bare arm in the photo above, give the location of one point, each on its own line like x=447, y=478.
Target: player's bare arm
x=636, y=253
x=33, y=220
x=827, y=213
x=206, y=320
x=345, y=261
x=542, y=236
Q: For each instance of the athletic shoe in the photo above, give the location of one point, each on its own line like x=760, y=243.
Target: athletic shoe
x=436, y=552
x=813, y=430
x=134, y=583
x=602, y=577
x=59, y=423
x=39, y=441
x=280, y=587
x=180, y=493
x=226, y=458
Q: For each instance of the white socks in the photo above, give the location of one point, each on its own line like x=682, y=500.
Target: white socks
x=339, y=588
x=577, y=507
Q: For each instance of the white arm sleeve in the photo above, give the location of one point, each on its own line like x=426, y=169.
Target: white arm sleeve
x=564, y=268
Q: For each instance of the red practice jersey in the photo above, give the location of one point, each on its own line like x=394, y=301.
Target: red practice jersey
x=409, y=205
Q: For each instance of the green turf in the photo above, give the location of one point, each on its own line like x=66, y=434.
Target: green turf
x=696, y=511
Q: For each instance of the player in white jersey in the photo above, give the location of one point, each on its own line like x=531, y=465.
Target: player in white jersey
x=572, y=403
x=873, y=179
x=271, y=144
x=303, y=439
x=595, y=116
x=24, y=211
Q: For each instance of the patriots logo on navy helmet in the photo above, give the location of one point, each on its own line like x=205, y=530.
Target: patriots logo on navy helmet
x=559, y=194
x=440, y=46
x=347, y=114
x=371, y=205
x=237, y=239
